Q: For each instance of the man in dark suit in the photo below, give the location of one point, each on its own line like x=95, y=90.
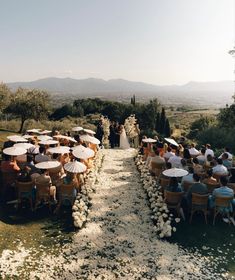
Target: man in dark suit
x=112, y=135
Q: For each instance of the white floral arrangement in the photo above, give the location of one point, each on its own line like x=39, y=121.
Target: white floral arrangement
x=106, y=125
x=129, y=125
x=161, y=216
x=83, y=200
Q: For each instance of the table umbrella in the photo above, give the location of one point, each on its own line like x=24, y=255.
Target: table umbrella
x=59, y=150
x=34, y=130
x=175, y=172
x=65, y=137
x=48, y=142
x=90, y=139
x=83, y=152
x=89, y=131
x=44, y=137
x=50, y=164
x=23, y=145
x=45, y=131
x=149, y=140
x=75, y=167
x=14, y=151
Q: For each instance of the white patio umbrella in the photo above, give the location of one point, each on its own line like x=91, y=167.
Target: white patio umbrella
x=175, y=172
x=34, y=130
x=171, y=141
x=59, y=150
x=83, y=152
x=26, y=136
x=23, y=145
x=149, y=140
x=65, y=137
x=75, y=167
x=48, y=142
x=90, y=139
x=16, y=138
x=89, y=131
x=45, y=131
x=14, y=151
x=77, y=128
x=44, y=137
x=47, y=164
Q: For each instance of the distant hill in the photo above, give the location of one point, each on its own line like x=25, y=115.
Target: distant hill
x=197, y=93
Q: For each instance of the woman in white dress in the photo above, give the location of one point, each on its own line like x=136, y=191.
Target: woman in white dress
x=124, y=143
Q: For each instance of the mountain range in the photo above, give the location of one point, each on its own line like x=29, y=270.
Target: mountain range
x=198, y=93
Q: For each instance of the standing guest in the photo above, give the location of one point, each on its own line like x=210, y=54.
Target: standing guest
x=100, y=132
x=193, y=151
x=117, y=129
x=201, y=158
x=226, y=162
x=197, y=187
x=175, y=160
x=135, y=134
x=209, y=151
x=112, y=134
x=219, y=168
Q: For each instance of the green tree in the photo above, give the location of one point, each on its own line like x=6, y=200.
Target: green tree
x=5, y=94
x=157, y=124
x=162, y=121
x=28, y=104
x=167, y=129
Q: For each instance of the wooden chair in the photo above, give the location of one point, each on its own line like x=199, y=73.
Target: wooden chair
x=157, y=168
x=232, y=186
x=173, y=200
x=211, y=187
x=221, y=202
x=66, y=193
x=186, y=186
x=24, y=190
x=43, y=194
x=199, y=204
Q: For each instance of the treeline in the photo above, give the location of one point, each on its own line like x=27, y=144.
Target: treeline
x=219, y=131
x=35, y=104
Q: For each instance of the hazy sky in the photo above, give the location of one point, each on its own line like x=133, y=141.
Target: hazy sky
x=154, y=41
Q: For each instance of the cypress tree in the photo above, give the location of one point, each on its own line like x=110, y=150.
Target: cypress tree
x=167, y=129
x=157, y=123
x=162, y=121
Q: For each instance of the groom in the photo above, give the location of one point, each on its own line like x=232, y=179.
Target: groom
x=112, y=134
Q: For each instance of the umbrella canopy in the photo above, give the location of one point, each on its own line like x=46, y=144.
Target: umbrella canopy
x=45, y=131
x=26, y=136
x=89, y=131
x=34, y=130
x=149, y=140
x=48, y=142
x=17, y=138
x=77, y=128
x=65, y=137
x=90, y=139
x=47, y=164
x=75, y=167
x=59, y=150
x=175, y=172
x=171, y=141
x=44, y=137
x=83, y=152
x=23, y=145
x=14, y=151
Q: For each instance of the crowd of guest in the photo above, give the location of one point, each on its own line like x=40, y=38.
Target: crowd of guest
x=206, y=174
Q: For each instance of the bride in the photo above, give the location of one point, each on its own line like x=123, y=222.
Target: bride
x=124, y=143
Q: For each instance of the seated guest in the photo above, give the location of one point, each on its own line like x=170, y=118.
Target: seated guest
x=168, y=154
x=209, y=162
x=201, y=158
x=193, y=151
x=198, y=169
x=45, y=179
x=224, y=191
x=30, y=165
x=227, y=151
x=71, y=178
x=232, y=177
x=24, y=175
x=64, y=159
x=175, y=160
x=34, y=150
x=187, y=156
x=41, y=157
x=188, y=178
x=197, y=187
x=210, y=180
x=156, y=158
x=209, y=151
x=9, y=164
x=184, y=164
x=174, y=185
x=219, y=168
x=226, y=162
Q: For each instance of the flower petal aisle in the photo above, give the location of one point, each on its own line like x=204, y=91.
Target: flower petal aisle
x=119, y=240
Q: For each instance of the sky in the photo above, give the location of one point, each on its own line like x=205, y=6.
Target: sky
x=160, y=42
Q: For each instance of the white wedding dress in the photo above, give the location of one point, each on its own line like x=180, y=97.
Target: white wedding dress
x=124, y=143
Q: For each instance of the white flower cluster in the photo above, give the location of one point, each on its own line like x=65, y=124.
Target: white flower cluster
x=129, y=125
x=83, y=199
x=106, y=125
x=161, y=216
